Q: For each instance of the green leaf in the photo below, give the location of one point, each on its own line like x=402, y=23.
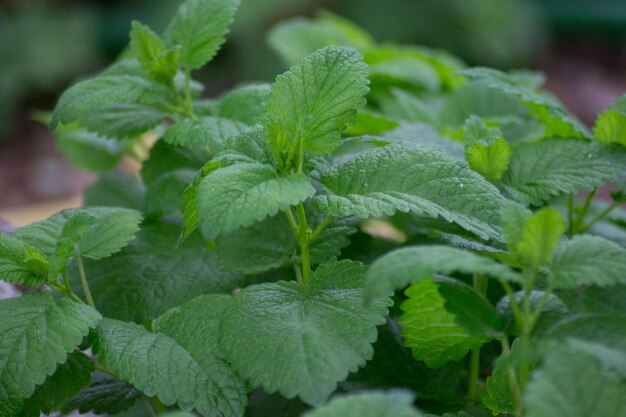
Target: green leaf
x=294, y=39
x=200, y=27
x=244, y=104
x=36, y=335
x=253, y=144
x=610, y=126
x=206, y=132
x=117, y=105
x=395, y=403
x=110, y=231
x=310, y=104
x=87, y=150
x=152, y=274
x=21, y=264
x=540, y=236
x=430, y=330
x=270, y=243
x=138, y=356
x=498, y=396
x=539, y=171
x=514, y=217
x=486, y=150
x=166, y=158
x=589, y=260
x=404, y=266
x=307, y=337
x=243, y=194
x=408, y=178
x=68, y=244
x=400, y=67
x=116, y=189
x=574, y=384
x=195, y=326
x=61, y=386
x=151, y=53
x=547, y=109
x=105, y=395
x=165, y=194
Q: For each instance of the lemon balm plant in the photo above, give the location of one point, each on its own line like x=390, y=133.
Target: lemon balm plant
x=239, y=274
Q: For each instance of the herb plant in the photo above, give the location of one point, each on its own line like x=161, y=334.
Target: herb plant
x=380, y=225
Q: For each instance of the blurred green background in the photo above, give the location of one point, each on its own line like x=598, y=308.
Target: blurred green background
x=47, y=44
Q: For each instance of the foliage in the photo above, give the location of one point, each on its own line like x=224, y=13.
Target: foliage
x=251, y=268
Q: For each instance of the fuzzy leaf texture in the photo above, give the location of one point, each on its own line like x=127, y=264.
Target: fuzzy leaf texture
x=308, y=337
x=538, y=171
x=610, y=126
x=243, y=194
x=540, y=234
x=159, y=63
x=190, y=381
x=21, y=263
x=313, y=102
x=205, y=132
x=547, y=109
x=589, y=260
x=404, y=266
x=152, y=274
x=109, y=230
x=430, y=330
x=486, y=151
x=394, y=403
x=105, y=394
x=200, y=27
x=36, y=335
x=409, y=178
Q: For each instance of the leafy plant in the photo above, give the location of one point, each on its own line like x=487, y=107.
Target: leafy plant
x=240, y=274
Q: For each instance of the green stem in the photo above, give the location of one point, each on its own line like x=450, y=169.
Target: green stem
x=519, y=322
x=599, y=216
x=148, y=407
x=67, y=289
x=188, y=98
x=524, y=371
x=83, y=281
x=321, y=227
x=304, y=238
x=474, y=373
x=537, y=313
x=506, y=351
x=586, y=205
x=570, y=215
x=292, y=222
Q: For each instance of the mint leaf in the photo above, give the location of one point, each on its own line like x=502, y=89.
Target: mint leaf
x=40, y=333
x=395, y=403
x=151, y=53
x=253, y=144
x=547, y=109
x=123, y=120
x=105, y=395
x=610, y=126
x=87, y=150
x=152, y=274
x=165, y=194
x=540, y=236
x=308, y=337
x=206, y=132
x=137, y=356
x=195, y=326
x=243, y=194
x=200, y=27
x=539, y=171
x=61, y=386
x=21, y=264
x=310, y=104
x=244, y=104
x=430, y=330
x=589, y=260
x=165, y=158
x=404, y=266
x=398, y=66
x=486, y=151
x=116, y=189
x=110, y=230
x=409, y=178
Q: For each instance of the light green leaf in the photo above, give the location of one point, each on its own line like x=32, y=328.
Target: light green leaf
x=68, y=243
x=244, y=104
x=400, y=67
x=498, y=396
x=36, y=335
x=514, y=217
x=540, y=236
x=307, y=337
x=200, y=27
x=430, y=330
x=574, y=384
x=611, y=124
x=61, y=386
x=87, y=150
x=589, y=260
x=21, y=264
x=253, y=144
x=105, y=395
x=409, y=178
x=151, y=53
x=110, y=231
x=539, y=171
x=116, y=189
x=310, y=104
x=486, y=150
x=404, y=266
x=547, y=109
x=152, y=274
x=206, y=132
x=190, y=381
x=394, y=403
x=243, y=194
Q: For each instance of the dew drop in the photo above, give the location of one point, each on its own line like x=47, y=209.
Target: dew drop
x=461, y=185
x=589, y=155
